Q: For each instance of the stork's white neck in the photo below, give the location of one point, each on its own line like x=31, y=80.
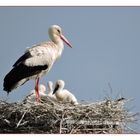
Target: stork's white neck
x=58, y=49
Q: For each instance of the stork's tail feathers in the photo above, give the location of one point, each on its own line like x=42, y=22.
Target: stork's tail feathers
x=19, y=75
x=12, y=79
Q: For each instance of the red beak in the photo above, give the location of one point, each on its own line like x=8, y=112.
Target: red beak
x=66, y=41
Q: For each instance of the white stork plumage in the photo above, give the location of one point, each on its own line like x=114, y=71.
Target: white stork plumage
x=63, y=94
x=50, y=91
x=36, y=61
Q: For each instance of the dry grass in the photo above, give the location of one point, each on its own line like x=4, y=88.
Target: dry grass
x=108, y=116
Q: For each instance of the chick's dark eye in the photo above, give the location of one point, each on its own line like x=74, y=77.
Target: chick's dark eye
x=58, y=31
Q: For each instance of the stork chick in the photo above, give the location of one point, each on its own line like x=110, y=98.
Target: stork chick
x=63, y=94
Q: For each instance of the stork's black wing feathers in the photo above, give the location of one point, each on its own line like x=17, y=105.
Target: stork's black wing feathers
x=19, y=72
x=22, y=58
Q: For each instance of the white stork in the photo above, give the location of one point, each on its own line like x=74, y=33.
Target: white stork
x=36, y=61
x=50, y=91
x=63, y=94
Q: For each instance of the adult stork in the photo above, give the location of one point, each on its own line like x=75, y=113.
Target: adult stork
x=36, y=61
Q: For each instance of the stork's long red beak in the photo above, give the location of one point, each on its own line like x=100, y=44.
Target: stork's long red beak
x=66, y=41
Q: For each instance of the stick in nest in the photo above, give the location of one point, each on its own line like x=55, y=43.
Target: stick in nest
x=21, y=119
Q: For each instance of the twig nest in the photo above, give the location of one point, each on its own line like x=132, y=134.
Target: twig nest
x=48, y=116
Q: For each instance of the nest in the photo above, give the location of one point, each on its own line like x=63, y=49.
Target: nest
x=107, y=116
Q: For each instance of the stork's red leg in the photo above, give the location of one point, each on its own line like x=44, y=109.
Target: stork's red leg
x=37, y=89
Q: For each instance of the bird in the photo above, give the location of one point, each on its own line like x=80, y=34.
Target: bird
x=50, y=91
x=63, y=94
x=36, y=61
x=31, y=98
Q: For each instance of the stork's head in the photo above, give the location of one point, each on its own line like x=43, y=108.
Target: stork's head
x=55, y=33
x=59, y=85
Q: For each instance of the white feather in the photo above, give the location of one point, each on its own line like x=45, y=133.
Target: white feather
x=43, y=54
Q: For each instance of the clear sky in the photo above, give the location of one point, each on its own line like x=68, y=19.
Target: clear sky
x=106, y=49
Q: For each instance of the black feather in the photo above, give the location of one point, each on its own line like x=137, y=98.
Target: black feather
x=22, y=58
x=20, y=72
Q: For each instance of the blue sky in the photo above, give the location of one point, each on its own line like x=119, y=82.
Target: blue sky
x=106, y=49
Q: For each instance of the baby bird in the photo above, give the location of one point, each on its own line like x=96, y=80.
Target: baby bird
x=63, y=94
x=32, y=95
x=50, y=91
